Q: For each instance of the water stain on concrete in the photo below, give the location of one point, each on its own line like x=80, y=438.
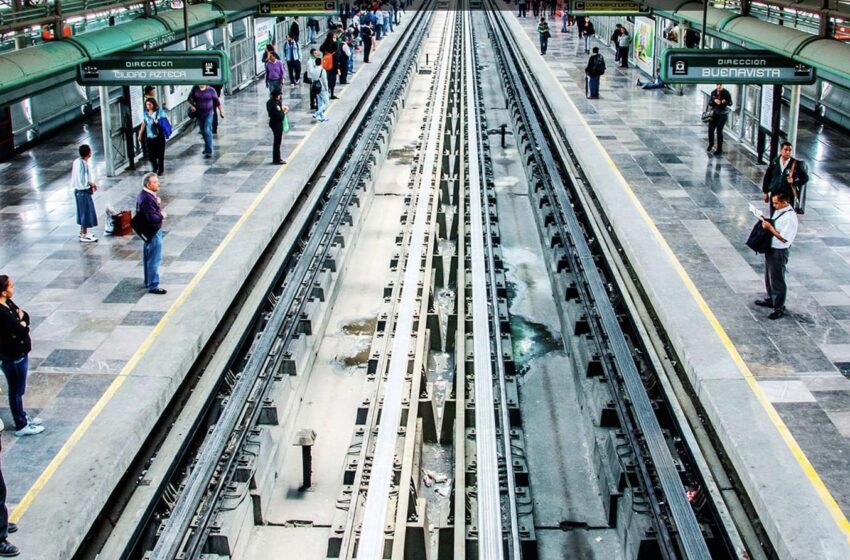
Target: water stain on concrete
x=361, y=331
x=360, y=327
x=402, y=155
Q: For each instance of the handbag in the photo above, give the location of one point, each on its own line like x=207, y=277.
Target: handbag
x=707, y=115
x=286, y=122
x=121, y=223
x=316, y=87
x=143, y=228
x=760, y=239
x=165, y=127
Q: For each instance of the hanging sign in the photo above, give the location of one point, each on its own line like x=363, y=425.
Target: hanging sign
x=155, y=68
x=298, y=8
x=607, y=8
x=728, y=66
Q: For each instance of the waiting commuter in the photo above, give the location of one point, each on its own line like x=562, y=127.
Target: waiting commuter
x=312, y=29
x=522, y=6
x=276, y=110
x=15, y=346
x=618, y=29
x=378, y=20
x=312, y=74
x=366, y=37
x=295, y=29
x=149, y=210
x=783, y=227
x=786, y=174
x=720, y=102
x=623, y=42
x=344, y=55
x=322, y=92
x=270, y=48
x=292, y=55
x=274, y=73
x=82, y=181
x=594, y=70
x=329, y=52
x=205, y=102
x=7, y=549
x=543, y=32
x=153, y=135
x=588, y=31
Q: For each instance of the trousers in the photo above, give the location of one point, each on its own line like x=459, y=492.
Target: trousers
x=277, y=133
x=151, y=258
x=716, y=125
x=16, y=377
x=775, y=261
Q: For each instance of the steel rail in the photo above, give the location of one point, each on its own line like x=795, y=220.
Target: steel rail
x=689, y=536
x=243, y=406
x=490, y=540
x=371, y=544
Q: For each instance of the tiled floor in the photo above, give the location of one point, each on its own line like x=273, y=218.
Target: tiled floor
x=89, y=308
x=699, y=203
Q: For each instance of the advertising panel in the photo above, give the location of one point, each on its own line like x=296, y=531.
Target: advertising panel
x=643, y=44
x=263, y=35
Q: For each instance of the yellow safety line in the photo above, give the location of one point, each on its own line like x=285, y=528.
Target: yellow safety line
x=809, y=470
x=107, y=396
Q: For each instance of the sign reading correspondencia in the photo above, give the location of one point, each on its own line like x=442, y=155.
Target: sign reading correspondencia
x=607, y=8
x=152, y=68
x=298, y=8
x=685, y=66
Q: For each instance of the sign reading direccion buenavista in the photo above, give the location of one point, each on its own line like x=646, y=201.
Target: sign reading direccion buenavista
x=727, y=66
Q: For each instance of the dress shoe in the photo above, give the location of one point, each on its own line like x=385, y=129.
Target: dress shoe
x=334, y=97
x=718, y=153
x=157, y=291
x=764, y=303
x=710, y=147
x=777, y=313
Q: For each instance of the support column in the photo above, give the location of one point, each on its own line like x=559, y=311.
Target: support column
x=225, y=35
x=106, y=118
x=794, y=116
x=20, y=40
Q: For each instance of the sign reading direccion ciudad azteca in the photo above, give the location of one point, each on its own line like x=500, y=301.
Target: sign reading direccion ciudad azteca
x=153, y=68
x=727, y=66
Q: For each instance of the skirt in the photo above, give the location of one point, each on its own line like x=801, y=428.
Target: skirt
x=86, y=215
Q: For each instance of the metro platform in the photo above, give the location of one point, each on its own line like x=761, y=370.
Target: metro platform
x=92, y=318
x=107, y=355
x=798, y=365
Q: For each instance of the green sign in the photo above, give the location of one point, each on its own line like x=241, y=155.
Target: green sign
x=607, y=8
x=298, y=8
x=156, y=68
x=727, y=66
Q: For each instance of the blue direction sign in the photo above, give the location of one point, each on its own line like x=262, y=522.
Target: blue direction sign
x=727, y=66
x=152, y=68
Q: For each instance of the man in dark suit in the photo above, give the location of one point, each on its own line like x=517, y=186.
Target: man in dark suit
x=786, y=174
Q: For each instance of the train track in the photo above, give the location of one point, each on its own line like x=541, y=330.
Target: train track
x=446, y=297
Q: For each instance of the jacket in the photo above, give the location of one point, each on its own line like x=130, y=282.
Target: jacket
x=148, y=208
x=776, y=179
x=275, y=110
x=291, y=51
x=595, y=66
x=15, y=340
x=721, y=109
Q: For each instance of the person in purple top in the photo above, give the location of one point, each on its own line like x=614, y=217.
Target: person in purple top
x=148, y=207
x=274, y=73
x=205, y=102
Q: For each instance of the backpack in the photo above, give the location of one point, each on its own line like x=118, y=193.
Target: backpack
x=596, y=66
x=316, y=87
x=328, y=61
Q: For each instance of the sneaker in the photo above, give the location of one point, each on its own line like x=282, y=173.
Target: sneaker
x=34, y=421
x=29, y=430
x=11, y=528
x=89, y=238
x=7, y=549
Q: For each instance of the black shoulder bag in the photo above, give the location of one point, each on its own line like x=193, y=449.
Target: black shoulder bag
x=760, y=239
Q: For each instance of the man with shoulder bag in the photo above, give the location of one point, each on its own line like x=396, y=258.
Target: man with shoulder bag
x=719, y=105
x=783, y=229
x=594, y=70
x=787, y=174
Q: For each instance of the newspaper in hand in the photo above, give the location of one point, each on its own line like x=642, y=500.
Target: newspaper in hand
x=756, y=212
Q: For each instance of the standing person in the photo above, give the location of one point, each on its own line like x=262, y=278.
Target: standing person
x=785, y=174
x=378, y=19
x=270, y=48
x=82, y=180
x=522, y=6
x=720, y=102
x=154, y=135
x=205, y=102
x=564, y=20
x=543, y=32
x=7, y=549
x=535, y=7
x=330, y=47
x=274, y=73
x=344, y=55
x=292, y=55
x=15, y=346
x=588, y=31
x=276, y=110
x=149, y=207
x=623, y=42
x=784, y=230
x=366, y=36
x=312, y=29
x=614, y=36
x=322, y=95
x=312, y=74
x=594, y=70
x=295, y=29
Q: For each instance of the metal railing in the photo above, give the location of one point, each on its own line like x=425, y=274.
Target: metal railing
x=31, y=15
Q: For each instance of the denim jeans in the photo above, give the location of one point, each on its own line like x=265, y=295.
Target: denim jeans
x=593, y=85
x=16, y=377
x=351, y=61
x=323, y=101
x=152, y=258
x=588, y=39
x=206, y=122
x=564, y=22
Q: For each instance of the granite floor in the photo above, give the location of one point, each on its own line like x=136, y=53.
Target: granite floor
x=699, y=202
x=89, y=309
